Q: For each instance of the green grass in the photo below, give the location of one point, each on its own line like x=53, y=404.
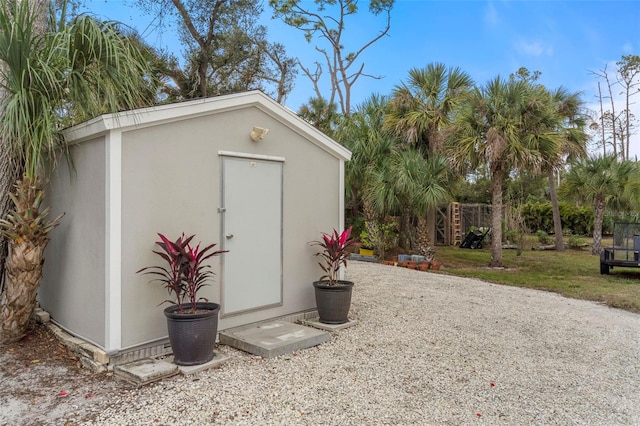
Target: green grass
x=573, y=273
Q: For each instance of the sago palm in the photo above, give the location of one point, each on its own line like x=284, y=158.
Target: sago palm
x=78, y=68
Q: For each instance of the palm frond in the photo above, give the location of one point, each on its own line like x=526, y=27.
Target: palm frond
x=75, y=69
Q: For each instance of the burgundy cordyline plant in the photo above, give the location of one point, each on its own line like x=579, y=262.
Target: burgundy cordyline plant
x=185, y=273
x=334, y=252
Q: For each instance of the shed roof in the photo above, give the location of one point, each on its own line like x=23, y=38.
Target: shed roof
x=145, y=117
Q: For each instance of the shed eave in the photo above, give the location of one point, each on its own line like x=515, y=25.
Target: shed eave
x=149, y=116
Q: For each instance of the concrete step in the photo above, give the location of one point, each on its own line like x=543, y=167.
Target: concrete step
x=148, y=370
x=273, y=338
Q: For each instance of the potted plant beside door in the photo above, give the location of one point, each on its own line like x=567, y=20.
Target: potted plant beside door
x=333, y=296
x=192, y=321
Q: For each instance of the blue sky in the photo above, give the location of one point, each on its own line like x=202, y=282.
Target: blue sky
x=565, y=40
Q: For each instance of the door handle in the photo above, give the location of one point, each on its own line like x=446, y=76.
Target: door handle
x=229, y=236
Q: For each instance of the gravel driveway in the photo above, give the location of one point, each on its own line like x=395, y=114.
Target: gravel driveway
x=427, y=349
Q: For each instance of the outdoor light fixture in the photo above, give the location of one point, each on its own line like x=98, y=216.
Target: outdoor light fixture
x=258, y=133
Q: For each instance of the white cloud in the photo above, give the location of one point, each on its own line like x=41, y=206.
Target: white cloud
x=627, y=48
x=533, y=48
x=491, y=17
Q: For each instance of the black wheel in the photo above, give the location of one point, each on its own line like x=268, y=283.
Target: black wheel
x=604, y=268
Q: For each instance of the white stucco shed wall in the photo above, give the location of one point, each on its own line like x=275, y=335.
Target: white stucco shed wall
x=159, y=171
x=72, y=289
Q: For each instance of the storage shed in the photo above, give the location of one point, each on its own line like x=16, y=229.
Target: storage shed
x=240, y=170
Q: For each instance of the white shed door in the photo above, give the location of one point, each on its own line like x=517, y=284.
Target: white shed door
x=252, y=232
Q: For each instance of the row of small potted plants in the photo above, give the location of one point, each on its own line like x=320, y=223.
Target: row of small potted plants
x=424, y=265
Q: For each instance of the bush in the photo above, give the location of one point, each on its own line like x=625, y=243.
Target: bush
x=576, y=219
x=579, y=219
x=510, y=236
x=575, y=242
x=543, y=237
x=357, y=225
x=380, y=236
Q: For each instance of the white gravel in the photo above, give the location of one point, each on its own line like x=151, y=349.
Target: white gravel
x=427, y=349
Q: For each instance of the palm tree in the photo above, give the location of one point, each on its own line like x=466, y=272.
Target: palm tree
x=10, y=169
x=421, y=111
x=362, y=132
x=320, y=114
x=411, y=185
x=604, y=182
x=425, y=183
x=572, y=145
x=75, y=68
x=422, y=108
x=553, y=118
x=491, y=128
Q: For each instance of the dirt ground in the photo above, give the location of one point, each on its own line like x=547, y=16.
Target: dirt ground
x=42, y=382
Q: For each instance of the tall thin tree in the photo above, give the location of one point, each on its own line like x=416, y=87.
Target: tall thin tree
x=570, y=125
x=629, y=78
x=327, y=20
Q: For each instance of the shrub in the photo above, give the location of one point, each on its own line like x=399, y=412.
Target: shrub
x=537, y=216
x=543, y=237
x=577, y=219
x=380, y=236
x=510, y=236
x=575, y=242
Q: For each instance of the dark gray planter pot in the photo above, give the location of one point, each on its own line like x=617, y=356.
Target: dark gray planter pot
x=193, y=336
x=333, y=301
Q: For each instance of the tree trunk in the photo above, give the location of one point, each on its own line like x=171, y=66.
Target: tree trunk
x=423, y=240
x=604, y=142
x=557, y=220
x=598, y=219
x=431, y=222
x=10, y=172
x=24, y=271
x=404, y=241
x=26, y=258
x=496, y=217
x=369, y=222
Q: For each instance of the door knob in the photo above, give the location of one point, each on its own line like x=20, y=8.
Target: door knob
x=229, y=236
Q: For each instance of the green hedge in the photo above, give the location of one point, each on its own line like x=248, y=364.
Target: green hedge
x=576, y=219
